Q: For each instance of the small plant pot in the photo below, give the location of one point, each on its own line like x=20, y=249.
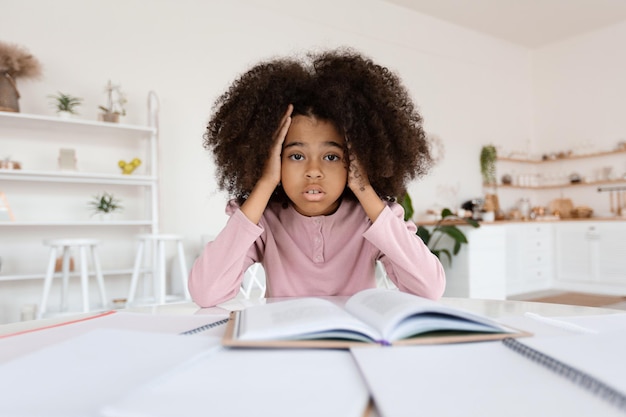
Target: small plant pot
x=110, y=117
x=64, y=115
x=105, y=217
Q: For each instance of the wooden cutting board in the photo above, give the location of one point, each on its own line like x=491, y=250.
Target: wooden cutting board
x=562, y=206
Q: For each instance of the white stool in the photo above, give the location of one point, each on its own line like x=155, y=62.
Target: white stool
x=158, y=266
x=64, y=247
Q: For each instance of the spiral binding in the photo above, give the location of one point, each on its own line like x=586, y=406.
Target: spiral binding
x=205, y=327
x=578, y=377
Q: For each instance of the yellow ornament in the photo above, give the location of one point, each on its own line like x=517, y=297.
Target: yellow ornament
x=129, y=167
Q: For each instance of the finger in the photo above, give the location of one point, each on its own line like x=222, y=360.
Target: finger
x=286, y=119
x=281, y=134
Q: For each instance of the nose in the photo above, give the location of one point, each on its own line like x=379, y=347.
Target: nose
x=313, y=171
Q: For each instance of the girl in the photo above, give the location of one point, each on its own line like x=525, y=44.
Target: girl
x=314, y=152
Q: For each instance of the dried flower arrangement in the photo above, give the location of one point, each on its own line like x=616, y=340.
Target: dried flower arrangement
x=116, y=100
x=15, y=62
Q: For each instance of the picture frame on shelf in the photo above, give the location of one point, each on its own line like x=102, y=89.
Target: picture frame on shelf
x=67, y=159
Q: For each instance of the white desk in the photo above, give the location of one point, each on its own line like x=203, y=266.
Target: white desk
x=492, y=308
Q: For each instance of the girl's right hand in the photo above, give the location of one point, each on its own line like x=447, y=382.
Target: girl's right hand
x=272, y=168
x=256, y=203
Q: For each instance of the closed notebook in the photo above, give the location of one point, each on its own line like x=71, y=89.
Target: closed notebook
x=575, y=375
x=373, y=316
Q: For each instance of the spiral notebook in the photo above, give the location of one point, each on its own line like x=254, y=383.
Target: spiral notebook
x=580, y=375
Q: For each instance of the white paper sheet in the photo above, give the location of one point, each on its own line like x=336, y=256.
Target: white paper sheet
x=254, y=382
x=472, y=380
x=12, y=347
x=78, y=376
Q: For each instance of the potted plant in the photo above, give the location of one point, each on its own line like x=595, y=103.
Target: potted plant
x=65, y=104
x=105, y=204
x=488, y=157
x=115, y=104
x=15, y=62
x=446, y=226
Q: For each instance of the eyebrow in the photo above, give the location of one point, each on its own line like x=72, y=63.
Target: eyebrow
x=327, y=143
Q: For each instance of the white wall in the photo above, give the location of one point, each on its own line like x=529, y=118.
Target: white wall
x=471, y=89
x=579, y=104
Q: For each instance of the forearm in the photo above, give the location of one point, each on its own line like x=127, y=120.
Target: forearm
x=371, y=202
x=217, y=273
x=255, y=204
x=408, y=261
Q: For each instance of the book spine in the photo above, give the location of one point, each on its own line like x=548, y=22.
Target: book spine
x=575, y=375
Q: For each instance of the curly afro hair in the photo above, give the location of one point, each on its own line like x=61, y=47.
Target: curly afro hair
x=366, y=102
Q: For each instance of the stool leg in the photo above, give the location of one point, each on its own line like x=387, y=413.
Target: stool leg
x=84, y=278
x=99, y=277
x=183, y=270
x=66, y=276
x=161, y=273
x=47, y=283
x=135, y=276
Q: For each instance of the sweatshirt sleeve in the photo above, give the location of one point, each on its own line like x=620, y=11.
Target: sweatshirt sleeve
x=409, y=263
x=217, y=273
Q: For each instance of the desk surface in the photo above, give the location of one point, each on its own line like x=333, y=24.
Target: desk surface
x=19, y=346
x=490, y=308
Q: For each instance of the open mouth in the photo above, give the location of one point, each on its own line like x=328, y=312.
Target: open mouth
x=313, y=194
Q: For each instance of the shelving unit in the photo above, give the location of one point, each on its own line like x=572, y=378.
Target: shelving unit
x=567, y=158
x=48, y=202
x=547, y=162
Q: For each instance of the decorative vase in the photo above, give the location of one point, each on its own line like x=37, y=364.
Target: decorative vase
x=110, y=117
x=9, y=96
x=64, y=114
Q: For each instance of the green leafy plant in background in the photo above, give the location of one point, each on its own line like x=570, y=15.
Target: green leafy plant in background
x=105, y=203
x=488, y=157
x=446, y=226
x=65, y=102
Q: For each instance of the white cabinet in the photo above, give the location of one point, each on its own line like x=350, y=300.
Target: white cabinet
x=530, y=248
x=50, y=203
x=591, y=255
x=479, y=270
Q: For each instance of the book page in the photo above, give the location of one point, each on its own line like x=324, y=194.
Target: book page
x=300, y=319
x=388, y=312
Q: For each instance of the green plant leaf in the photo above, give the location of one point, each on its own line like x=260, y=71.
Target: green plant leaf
x=424, y=234
x=446, y=212
x=407, y=205
x=454, y=232
x=445, y=252
x=472, y=222
x=457, y=247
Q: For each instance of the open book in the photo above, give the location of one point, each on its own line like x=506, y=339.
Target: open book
x=373, y=316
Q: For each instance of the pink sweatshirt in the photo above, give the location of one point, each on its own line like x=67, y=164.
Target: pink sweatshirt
x=315, y=256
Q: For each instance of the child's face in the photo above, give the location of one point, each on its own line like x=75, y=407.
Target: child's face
x=313, y=171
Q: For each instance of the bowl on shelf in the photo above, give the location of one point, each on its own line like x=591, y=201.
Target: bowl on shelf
x=582, y=212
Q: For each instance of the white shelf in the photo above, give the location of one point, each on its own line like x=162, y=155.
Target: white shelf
x=34, y=121
x=18, y=277
x=97, y=223
x=34, y=135
x=74, y=177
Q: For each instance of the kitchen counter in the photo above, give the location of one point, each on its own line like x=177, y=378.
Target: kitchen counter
x=547, y=219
